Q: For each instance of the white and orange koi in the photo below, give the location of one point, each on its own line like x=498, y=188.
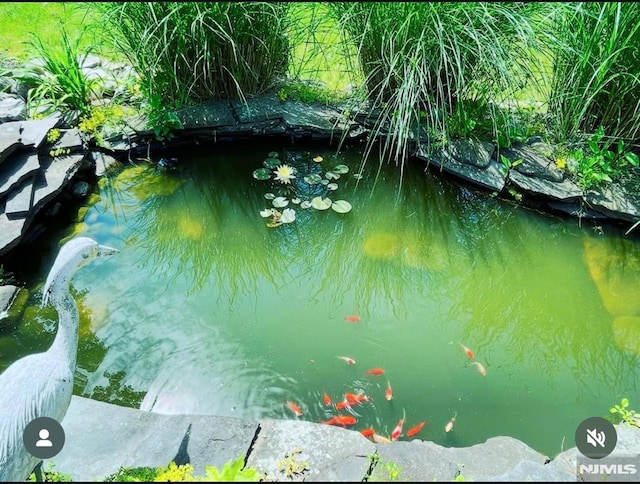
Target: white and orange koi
x=480, y=368
x=449, y=426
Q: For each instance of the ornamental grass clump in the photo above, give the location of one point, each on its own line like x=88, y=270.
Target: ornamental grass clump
x=193, y=52
x=421, y=59
x=596, y=70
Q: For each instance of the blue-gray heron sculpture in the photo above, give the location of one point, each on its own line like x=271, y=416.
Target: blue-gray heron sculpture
x=41, y=384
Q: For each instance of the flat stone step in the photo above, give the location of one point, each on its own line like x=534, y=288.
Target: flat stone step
x=20, y=200
x=58, y=173
x=17, y=168
x=10, y=232
x=10, y=135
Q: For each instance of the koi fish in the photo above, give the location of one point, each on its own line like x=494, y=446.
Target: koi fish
x=327, y=399
x=375, y=371
x=379, y=439
x=449, y=426
x=352, y=319
x=341, y=420
x=388, y=394
x=294, y=408
x=467, y=351
x=356, y=398
x=397, y=431
x=416, y=428
x=349, y=361
x=342, y=405
x=481, y=368
x=368, y=432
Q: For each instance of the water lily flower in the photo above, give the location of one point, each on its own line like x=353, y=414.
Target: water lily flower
x=284, y=173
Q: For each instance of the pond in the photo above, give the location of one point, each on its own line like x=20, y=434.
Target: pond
x=208, y=310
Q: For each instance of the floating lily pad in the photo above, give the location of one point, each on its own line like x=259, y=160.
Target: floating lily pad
x=288, y=216
x=269, y=196
x=266, y=213
x=341, y=169
x=332, y=186
x=357, y=176
x=295, y=200
x=312, y=179
x=271, y=162
x=280, y=202
x=320, y=203
x=273, y=154
x=341, y=206
x=262, y=174
x=305, y=204
x=324, y=182
x=331, y=175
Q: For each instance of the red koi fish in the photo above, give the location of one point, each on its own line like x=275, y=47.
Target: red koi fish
x=349, y=361
x=294, y=408
x=480, y=368
x=375, y=371
x=352, y=319
x=467, y=351
x=368, y=432
x=342, y=405
x=341, y=421
x=397, y=432
x=327, y=399
x=449, y=426
x=416, y=428
x=356, y=398
x=388, y=394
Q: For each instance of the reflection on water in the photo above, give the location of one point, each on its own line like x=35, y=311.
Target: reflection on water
x=206, y=310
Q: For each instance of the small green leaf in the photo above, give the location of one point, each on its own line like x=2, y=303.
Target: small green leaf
x=312, y=179
x=625, y=402
x=330, y=175
x=341, y=169
x=271, y=162
x=262, y=174
x=273, y=154
x=332, y=186
x=341, y=206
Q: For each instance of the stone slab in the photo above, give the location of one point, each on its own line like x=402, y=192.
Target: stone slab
x=17, y=168
x=35, y=130
x=20, y=199
x=416, y=461
x=564, y=191
x=10, y=136
x=209, y=115
x=58, y=174
x=613, y=202
x=7, y=294
x=331, y=453
x=10, y=233
x=101, y=437
x=69, y=139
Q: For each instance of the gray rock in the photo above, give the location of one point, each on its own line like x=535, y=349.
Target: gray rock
x=19, y=200
x=613, y=202
x=10, y=137
x=101, y=437
x=211, y=115
x=90, y=62
x=7, y=294
x=533, y=164
x=35, y=130
x=565, y=190
x=10, y=233
x=16, y=168
x=12, y=108
x=70, y=139
x=81, y=189
x=471, y=152
x=528, y=471
x=331, y=453
x=416, y=461
x=103, y=162
x=59, y=172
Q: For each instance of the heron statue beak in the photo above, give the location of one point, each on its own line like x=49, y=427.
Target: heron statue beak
x=105, y=250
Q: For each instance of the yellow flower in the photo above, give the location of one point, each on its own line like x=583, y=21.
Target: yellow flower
x=561, y=163
x=284, y=174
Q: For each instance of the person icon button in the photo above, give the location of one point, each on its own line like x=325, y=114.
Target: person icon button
x=43, y=437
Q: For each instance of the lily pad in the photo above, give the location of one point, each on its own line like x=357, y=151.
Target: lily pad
x=271, y=162
x=312, y=179
x=295, y=200
x=331, y=175
x=324, y=182
x=332, y=186
x=280, y=202
x=262, y=174
x=305, y=204
x=288, y=216
x=320, y=203
x=266, y=213
x=341, y=206
x=269, y=196
x=273, y=154
x=357, y=176
x=341, y=169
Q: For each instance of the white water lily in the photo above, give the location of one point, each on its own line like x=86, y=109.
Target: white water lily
x=266, y=213
x=288, y=216
x=280, y=202
x=284, y=174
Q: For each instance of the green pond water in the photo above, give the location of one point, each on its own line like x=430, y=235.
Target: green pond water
x=207, y=310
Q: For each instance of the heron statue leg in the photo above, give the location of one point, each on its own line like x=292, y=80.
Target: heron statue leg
x=38, y=472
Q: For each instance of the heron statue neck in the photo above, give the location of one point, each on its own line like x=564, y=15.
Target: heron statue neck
x=66, y=340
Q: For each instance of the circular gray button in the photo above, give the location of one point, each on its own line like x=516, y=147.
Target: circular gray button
x=43, y=437
x=596, y=437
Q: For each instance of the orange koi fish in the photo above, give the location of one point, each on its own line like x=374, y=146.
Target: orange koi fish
x=379, y=439
x=356, y=398
x=388, y=394
x=342, y=405
x=294, y=408
x=449, y=426
x=416, y=428
x=368, y=432
x=397, y=432
x=467, y=351
x=375, y=371
x=349, y=361
x=352, y=319
x=327, y=399
x=341, y=420
x=481, y=368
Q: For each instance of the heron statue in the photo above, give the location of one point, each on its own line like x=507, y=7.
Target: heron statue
x=41, y=384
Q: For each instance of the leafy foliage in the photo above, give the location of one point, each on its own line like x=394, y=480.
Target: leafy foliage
x=622, y=414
